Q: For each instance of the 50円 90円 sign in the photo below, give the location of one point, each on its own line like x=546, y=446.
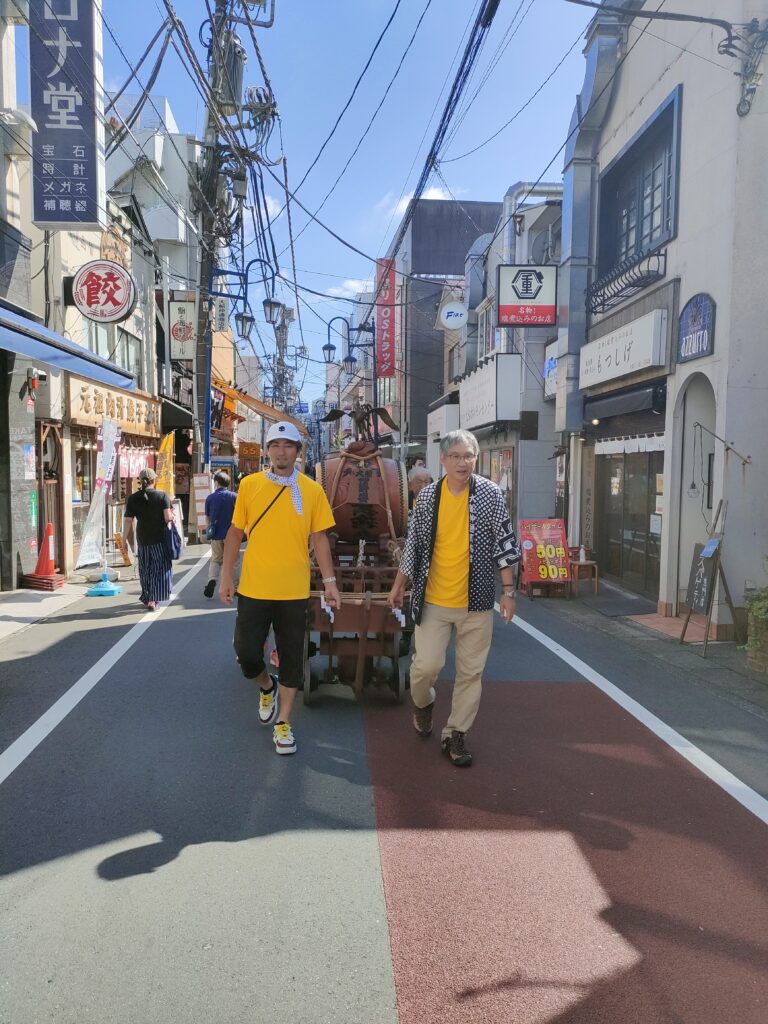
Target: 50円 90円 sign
x=104, y=291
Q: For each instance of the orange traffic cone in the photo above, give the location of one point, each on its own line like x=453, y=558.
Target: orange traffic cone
x=45, y=576
x=45, y=562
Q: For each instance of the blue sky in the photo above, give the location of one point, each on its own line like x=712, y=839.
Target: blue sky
x=314, y=54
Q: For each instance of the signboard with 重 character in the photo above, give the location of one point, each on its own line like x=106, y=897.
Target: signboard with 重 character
x=66, y=105
x=545, y=552
x=526, y=295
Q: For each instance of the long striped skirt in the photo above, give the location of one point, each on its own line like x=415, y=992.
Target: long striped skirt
x=155, y=573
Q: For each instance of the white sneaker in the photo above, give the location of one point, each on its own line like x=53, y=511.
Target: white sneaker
x=284, y=740
x=268, y=703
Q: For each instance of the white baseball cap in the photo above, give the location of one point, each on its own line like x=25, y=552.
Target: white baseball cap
x=283, y=431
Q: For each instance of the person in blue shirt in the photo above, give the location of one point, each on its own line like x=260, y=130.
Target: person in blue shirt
x=219, y=507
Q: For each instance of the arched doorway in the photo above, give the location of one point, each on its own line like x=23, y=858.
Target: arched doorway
x=696, y=408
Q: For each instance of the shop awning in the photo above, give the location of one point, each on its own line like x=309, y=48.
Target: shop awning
x=175, y=416
x=33, y=341
x=269, y=412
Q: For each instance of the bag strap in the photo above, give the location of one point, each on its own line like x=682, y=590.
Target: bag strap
x=269, y=506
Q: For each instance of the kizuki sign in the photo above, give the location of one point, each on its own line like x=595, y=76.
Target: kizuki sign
x=104, y=291
x=696, y=333
x=526, y=295
x=385, y=318
x=66, y=104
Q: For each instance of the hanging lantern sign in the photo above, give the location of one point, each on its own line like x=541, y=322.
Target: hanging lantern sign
x=104, y=291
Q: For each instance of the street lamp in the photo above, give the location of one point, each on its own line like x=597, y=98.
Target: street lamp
x=272, y=306
x=329, y=349
x=244, y=324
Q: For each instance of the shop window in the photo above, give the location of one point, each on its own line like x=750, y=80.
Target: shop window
x=638, y=193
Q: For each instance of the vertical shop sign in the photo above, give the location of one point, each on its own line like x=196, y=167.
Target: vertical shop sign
x=165, y=464
x=66, y=99
x=183, y=330
x=385, y=318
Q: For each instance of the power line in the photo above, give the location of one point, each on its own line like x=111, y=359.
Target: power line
x=346, y=106
x=519, y=111
x=368, y=127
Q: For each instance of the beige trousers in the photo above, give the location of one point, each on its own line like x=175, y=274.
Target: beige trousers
x=473, y=641
x=217, y=560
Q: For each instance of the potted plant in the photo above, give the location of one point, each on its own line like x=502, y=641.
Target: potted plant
x=757, y=633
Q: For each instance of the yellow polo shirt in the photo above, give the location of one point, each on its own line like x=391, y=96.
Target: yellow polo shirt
x=448, y=580
x=276, y=560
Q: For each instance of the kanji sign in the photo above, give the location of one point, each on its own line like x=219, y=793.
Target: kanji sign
x=183, y=332
x=526, y=296
x=545, y=551
x=104, y=291
x=66, y=103
x=385, y=318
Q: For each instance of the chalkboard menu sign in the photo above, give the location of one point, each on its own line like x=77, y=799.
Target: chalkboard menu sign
x=701, y=580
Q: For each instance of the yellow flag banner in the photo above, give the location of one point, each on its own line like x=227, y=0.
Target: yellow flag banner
x=165, y=465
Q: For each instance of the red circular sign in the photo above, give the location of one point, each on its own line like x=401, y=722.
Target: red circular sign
x=104, y=291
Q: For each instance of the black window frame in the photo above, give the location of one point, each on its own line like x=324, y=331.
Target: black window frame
x=628, y=172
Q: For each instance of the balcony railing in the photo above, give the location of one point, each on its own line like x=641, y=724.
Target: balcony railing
x=626, y=279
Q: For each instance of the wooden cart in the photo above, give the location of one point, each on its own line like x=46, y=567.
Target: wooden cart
x=363, y=645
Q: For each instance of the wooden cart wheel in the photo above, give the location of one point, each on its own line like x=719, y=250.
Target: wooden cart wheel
x=399, y=680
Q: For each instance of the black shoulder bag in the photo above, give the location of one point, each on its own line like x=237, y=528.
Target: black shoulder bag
x=269, y=506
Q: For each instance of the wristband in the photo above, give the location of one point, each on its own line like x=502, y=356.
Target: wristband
x=508, y=593
x=330, y=579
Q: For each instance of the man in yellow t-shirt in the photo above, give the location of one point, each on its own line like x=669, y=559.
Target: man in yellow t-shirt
x=458, y=535
x=280, y=512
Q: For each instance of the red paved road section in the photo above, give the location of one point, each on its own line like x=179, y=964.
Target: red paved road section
x=580, y=872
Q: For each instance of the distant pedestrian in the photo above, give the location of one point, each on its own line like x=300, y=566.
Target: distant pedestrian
x=219, y=507
x=418, y=478
x=151, y=510
x=460, y=532
x=274, y=582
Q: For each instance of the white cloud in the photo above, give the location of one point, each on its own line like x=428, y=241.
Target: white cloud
x=350, y=288
x=273, y=207
x=391, y=206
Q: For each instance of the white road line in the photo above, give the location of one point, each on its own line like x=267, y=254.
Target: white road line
x=21, y=748
x=713, y=770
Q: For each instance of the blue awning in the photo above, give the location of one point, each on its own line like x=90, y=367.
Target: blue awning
x=32, y=340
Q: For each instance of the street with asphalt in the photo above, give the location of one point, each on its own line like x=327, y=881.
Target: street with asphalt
x=603, y=861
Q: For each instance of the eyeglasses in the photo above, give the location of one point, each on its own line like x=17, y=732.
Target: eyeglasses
x=456, y=458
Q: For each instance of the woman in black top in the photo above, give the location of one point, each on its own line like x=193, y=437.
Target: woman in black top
x=152, y=509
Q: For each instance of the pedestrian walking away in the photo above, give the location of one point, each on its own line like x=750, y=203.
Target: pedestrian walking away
x=280, y=512
x=460, y=533
x=418, y=478
x=151, y=511
x=219, y=507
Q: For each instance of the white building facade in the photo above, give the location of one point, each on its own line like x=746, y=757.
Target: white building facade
x=660, y=357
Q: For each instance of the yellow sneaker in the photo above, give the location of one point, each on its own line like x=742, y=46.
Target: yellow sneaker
x=284, y=740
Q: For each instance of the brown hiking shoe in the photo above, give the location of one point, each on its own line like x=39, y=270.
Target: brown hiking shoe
x=453, y=746
x=422, y=720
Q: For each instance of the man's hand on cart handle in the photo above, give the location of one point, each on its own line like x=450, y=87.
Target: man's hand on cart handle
x=397, y=593
x=332, y=595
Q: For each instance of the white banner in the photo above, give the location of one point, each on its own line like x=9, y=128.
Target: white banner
x=92, y=543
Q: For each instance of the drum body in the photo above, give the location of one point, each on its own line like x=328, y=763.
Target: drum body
x=359, y=488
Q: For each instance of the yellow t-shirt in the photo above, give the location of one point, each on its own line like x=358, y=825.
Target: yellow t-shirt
x=448, y=580
x=276, y=559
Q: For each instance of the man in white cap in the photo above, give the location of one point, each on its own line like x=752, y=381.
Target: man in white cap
x=280, y=511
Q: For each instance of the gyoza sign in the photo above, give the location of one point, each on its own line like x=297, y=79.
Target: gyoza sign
x=66, y=104
x=526, y=295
